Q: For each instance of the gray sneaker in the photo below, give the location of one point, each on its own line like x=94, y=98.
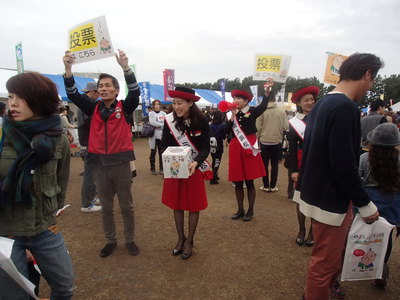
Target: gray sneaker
x=91, y=208
x=96, y=201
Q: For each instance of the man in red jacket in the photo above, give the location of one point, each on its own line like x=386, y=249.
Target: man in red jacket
x=110, y=147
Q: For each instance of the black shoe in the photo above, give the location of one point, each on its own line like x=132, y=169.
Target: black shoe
x=108, y=249
x=309, y=243
x=132, y=248
x=214, y=181
x=153, y=172
x=176, y=252
x=239, y=214
x=300, y=237
x=186, y=256
x=248, y=216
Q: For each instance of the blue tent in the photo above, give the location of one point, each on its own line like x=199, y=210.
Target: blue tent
x=157, y=92
x=209, y=95
x=59, y=82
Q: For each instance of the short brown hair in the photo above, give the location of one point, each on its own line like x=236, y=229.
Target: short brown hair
x=39, y=92
x=156, y=101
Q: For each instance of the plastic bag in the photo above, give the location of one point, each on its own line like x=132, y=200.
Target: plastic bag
x=213, y=145
x=365, y=250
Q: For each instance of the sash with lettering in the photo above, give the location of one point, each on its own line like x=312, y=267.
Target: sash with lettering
x=253, y=149
x=299, y=126
x=183, y=140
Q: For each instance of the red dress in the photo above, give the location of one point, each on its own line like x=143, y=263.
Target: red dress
x=188, y=194
x=185, y=194
x=243, y=165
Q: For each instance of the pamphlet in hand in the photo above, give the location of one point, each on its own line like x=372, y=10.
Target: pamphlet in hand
x=61, y=210
x=8, y=266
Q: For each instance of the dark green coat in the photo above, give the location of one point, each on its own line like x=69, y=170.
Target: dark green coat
x=48, y=191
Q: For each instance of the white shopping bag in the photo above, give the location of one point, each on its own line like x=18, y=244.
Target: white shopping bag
x=366, y=249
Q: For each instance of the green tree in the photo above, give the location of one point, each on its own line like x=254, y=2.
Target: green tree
x=388, y=86
x=392, y=88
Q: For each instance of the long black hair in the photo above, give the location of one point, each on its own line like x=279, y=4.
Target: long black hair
x=195, y=116
x=384, y=168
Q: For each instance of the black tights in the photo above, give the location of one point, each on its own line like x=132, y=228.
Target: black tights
x=183, y=242
x=251, y=194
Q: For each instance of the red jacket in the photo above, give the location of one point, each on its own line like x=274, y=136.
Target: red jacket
x=112, y=136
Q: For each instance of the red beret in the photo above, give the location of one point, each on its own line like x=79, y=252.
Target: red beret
x=243, y=94
x=314, y=90
x=183, y=93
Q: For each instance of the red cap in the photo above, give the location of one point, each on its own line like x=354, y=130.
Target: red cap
x=183, y=93
x=313, y=90
x=243, y=94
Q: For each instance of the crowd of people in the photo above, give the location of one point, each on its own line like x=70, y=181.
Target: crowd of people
x=325, y=139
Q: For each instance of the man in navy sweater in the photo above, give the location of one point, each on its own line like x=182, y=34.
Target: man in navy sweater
x=329, y=178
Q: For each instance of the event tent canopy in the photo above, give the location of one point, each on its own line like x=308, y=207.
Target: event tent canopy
x=59, y=82
x=208, y=97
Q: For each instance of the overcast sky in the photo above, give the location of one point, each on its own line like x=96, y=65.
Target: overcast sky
x=204, y=40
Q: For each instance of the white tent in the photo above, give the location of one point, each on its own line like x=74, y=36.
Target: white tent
x=396, y=106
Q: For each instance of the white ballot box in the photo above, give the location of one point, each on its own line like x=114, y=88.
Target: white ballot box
x=176, y=162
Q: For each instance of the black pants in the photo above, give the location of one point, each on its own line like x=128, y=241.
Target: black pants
x=270, y=153
x=290, y=188
x=153, y=156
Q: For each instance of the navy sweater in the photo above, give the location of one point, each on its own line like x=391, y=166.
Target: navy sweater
x=329, y=177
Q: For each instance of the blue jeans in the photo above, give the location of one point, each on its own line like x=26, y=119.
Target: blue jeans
x=53, y=260
x=88, y=190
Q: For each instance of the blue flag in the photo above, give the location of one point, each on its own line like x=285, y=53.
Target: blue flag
x=145, y=95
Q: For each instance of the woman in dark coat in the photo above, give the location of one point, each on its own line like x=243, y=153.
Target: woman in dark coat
x=187, y=125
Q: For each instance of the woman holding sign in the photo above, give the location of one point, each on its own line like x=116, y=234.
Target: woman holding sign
x=34, y=171
x=186, y=126
x=304, y=99
x=245, y=162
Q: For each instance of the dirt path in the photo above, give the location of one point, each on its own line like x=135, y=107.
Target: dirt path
x=232, y=259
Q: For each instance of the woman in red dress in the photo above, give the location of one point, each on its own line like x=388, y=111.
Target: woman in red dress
x=187, y=124
x=245, y=162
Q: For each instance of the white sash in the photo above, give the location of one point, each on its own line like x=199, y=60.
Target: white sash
x=243, y=139
x=183, y=140
x=299, y=126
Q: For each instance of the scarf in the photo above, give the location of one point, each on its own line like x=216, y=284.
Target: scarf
x=34, y=141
